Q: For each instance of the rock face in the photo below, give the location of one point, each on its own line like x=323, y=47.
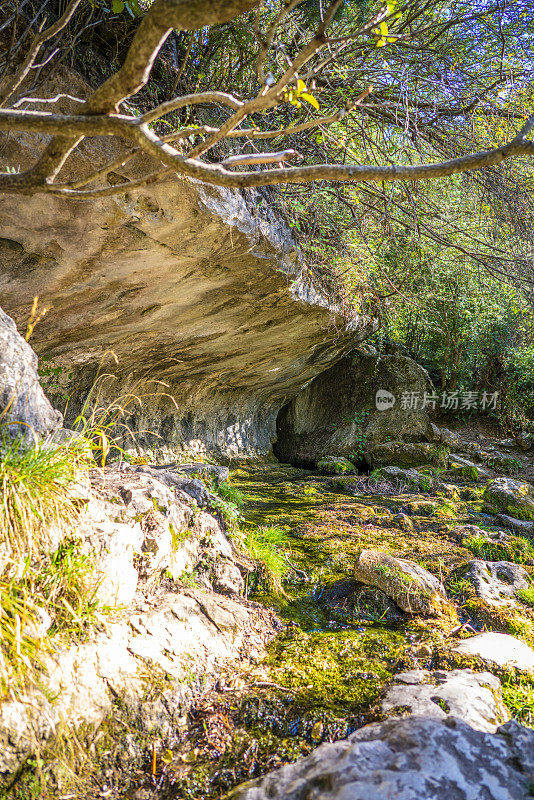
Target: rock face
x=409, y=585
x=201, y=290
x=513, y=498
x=408, y=759
x=337, y=413
x=25, y=410
x=474, y=697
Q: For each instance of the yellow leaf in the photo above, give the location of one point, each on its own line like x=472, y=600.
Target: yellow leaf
x=301, y=86
x=310, y=99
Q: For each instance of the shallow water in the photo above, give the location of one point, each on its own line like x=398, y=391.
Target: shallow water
x=323, y=674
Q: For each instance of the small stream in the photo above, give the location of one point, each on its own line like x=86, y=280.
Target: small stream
x=324, y=673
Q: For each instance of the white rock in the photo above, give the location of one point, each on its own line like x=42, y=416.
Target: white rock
x=474, y=697
x=500, y=649
x=408, y=759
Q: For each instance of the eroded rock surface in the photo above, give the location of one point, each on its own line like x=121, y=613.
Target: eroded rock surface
x=511, y=497
x=146, y=543
x=337, y=412
x=495, y=582
x=474, y=697
x=500, y=649
x=199, y=292
x=408, y=759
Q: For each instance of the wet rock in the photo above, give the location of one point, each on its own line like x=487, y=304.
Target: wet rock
x=403, y=454
x=410, y=586
x=495, y=582
x=500, y=649
x=335, y=465
x=474, y=697
x=408, y=759
x=25, y=412
x=511, y=497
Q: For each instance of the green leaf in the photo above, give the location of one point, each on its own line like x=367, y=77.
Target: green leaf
x=117, y=6
x=309, y=98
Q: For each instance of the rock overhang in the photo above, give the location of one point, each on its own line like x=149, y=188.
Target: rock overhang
x=193, y=297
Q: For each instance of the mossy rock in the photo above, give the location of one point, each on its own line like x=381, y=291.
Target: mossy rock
x=335, y=465
x=414, y=479
x=469, y=472
x=405, y=454
x=511, y=497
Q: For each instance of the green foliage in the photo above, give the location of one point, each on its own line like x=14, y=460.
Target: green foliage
x=61, y=587
x=518, y=695
x=268, y=545
x=526, y=596
x=226, y=499
x=34, y=493
x=515, y=549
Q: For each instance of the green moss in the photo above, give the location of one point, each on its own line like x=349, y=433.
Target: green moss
x=347, y=669
x=332, y=465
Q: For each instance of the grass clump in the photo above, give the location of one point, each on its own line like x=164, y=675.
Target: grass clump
x=268, y=546
x=526, y=595
x=34, y=495
x=518, y=695
x=514, y=549
x=55, y=596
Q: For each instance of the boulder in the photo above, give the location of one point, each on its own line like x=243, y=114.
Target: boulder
x=403, y=454
x=24, y=409
x=495, y=582
x=511, y=497
x=408, y=759
x=335, y=465
x=413, y=479
x=463, y=468
x=341, y=412
x=521, y=526
x=474, y=697
x=413, y=588
x=500, y=649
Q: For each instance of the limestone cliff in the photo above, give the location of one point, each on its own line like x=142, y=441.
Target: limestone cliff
x=202, y=289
